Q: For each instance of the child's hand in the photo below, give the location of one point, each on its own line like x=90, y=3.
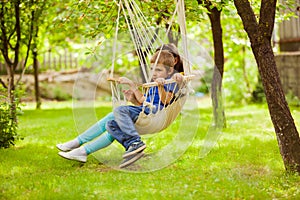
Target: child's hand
x=160, y=81
x=178, y=77
x=128, y=94
x=124, y=80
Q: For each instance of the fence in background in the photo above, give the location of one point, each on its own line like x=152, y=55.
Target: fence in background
x=289, y=30
x=49, y=62
x=288, y=65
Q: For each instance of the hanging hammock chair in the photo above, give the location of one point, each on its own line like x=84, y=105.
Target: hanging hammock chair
x=146, y=41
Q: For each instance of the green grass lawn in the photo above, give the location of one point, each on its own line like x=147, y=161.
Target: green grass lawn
x=245, y=163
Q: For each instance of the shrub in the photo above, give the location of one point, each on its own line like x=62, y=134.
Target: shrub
x=292, y=99
x=8, y=127
x=8, y=122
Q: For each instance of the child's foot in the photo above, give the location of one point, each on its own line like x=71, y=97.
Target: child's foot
x=131, y=159
x=78, y=154
x=68, y=146
x=134, y=148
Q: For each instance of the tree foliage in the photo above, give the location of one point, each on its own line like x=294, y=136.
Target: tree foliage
x=17, y=24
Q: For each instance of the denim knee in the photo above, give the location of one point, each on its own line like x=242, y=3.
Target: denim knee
x=114, y=130
x=110, y=126
x=119, y=111
x=126, y=140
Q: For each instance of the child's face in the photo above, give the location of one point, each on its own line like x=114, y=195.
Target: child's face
x=160, y=71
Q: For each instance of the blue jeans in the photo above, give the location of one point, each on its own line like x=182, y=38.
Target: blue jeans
x=122, y=127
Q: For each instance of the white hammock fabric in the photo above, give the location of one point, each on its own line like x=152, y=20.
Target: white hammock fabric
x=143, y=38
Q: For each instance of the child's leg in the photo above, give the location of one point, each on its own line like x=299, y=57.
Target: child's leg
x=103, y=141
x=81, y=153
x=95, y=130
x=122, y=128
x=119, y=135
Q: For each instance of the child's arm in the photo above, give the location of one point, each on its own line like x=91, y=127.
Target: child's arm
x=167, y=96
x=139, y=97
x=129, y=95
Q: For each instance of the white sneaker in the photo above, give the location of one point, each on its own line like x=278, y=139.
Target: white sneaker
x=62, y=147
x=78, y=154
x=68, y=146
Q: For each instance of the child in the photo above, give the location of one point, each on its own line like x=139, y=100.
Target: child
x=122, y=127
x=95, y=138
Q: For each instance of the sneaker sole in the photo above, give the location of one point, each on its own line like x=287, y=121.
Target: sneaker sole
x=139, y=150
x=133, y=160
x=61, y=148
x=63, y=155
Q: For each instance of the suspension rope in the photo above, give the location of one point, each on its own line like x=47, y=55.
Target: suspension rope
x=142, y=34
x=182, y=24
x=115, y=41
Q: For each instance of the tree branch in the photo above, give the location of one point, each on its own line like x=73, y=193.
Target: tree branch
x=247, y=15
x=9, y=38
x=3, y=47
x=18, y=31
x=3, y=84
x=28, y=45
x=267, y=15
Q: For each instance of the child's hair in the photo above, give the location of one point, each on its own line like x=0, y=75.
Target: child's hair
x=173, y=49
x=165, y=57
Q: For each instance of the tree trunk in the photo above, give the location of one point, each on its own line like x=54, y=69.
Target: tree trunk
x=260, y=38
x=36, y=80
x=34, y=50
x=11, y=91
x=216, y=86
